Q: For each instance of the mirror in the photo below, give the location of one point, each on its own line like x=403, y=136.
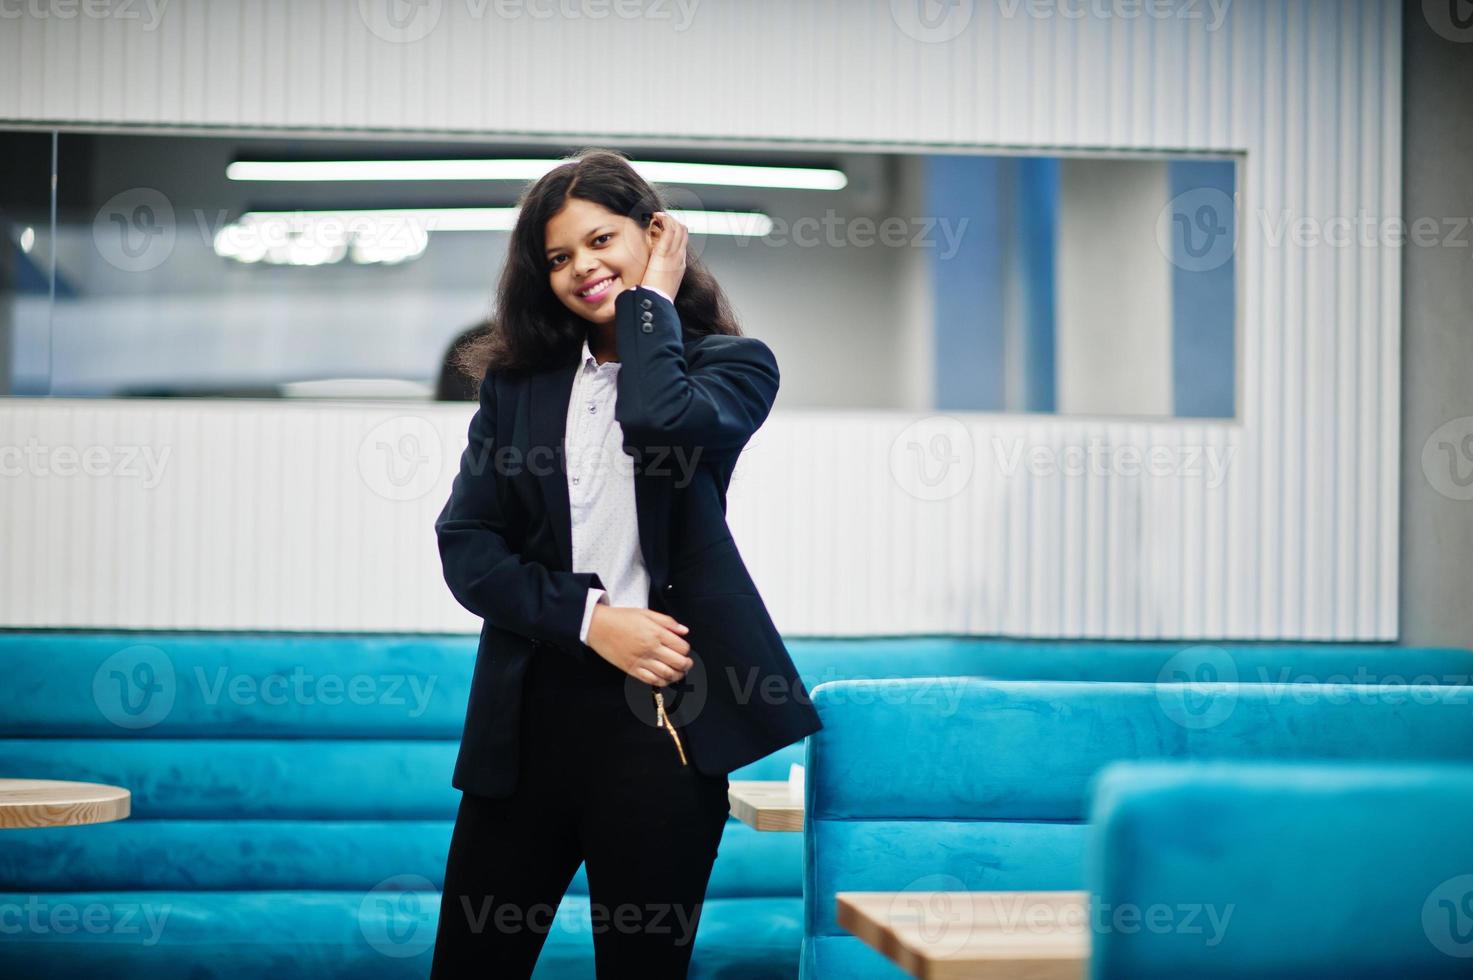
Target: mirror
x=208, y=266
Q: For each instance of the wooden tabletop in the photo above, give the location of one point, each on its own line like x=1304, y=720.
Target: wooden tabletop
x=764, y=804
x=56, y=803
x=939, y=934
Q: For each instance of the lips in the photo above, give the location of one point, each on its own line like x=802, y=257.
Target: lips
x=600, y=289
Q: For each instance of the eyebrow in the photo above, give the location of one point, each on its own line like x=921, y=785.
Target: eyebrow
x=586, y=234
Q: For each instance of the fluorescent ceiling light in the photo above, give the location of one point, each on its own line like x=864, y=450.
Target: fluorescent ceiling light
x=739, y=223
x=713, y=174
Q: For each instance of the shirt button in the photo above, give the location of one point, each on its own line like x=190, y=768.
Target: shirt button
x=575, y=481
x=592, y=407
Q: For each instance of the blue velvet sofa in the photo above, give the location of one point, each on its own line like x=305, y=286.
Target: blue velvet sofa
x=1256, y=870
x=292, y=802
x=966, y=784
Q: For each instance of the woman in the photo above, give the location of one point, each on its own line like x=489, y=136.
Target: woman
x=627, y=662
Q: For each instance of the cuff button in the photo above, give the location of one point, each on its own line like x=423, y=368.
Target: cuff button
x=647, y=327
x=645, y=302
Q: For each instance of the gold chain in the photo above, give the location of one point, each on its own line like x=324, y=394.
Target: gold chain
x=662, y=720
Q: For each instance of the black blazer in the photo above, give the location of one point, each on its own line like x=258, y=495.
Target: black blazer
x=686, y=410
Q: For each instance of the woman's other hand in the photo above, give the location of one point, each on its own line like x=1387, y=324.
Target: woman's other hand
x=643, y=643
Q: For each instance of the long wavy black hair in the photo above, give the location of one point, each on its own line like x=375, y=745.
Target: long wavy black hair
x=530, y=329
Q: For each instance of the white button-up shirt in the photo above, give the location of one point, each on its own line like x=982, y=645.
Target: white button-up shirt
x=601, y=491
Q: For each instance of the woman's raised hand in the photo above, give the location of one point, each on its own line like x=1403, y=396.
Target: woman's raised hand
x=667, y=253
x=644, y=643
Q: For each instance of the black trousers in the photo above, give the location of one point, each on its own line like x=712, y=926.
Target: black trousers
x=597, y=784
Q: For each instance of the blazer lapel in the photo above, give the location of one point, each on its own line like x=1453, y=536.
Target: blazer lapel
x=547, y=426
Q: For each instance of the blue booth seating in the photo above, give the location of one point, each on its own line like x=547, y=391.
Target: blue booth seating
x=1279, y=871
x=292, y=804
x=966, y=784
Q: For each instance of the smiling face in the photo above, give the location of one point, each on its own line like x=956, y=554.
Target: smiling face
x=593, y=255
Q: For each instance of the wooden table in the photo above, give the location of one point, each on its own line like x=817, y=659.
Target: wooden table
x=57, y=803
x=764, y=804
x=940, y=934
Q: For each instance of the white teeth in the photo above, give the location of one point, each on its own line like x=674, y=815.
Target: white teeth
x=596, y=288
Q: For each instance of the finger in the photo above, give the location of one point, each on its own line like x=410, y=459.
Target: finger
x=676, y=642
x=641, y=674
x=675, y=658
x=659, y=668
x=669, y=622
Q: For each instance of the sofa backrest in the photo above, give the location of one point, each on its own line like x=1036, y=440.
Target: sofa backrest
x=338, y=748
x=261, y=762
x=973, y=784
x=1281, y=870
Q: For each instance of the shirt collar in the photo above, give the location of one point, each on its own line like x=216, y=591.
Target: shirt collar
x=589, y=362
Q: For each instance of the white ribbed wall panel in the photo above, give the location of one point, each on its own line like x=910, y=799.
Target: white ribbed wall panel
x=262, y=521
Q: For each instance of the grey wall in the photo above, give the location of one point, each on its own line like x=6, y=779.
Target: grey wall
x=1437, y=333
